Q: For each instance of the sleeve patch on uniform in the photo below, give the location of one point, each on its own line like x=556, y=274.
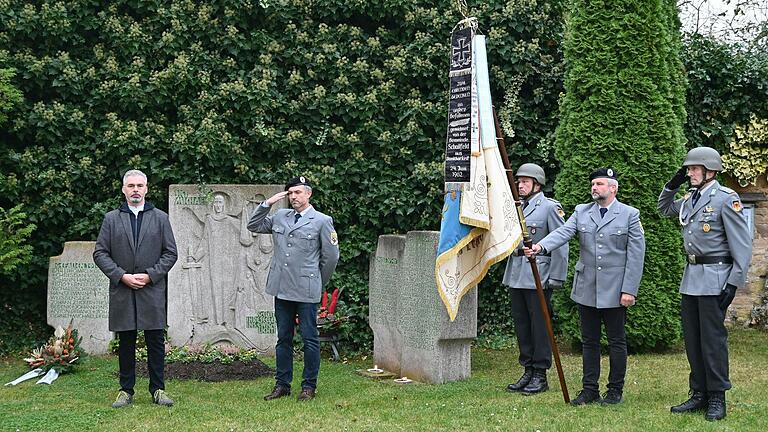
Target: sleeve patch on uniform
x=560, y=212
x=736, y=205
x=334, y=238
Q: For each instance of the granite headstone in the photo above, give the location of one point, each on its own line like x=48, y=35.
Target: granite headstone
x=413, y=335
x=79, y=292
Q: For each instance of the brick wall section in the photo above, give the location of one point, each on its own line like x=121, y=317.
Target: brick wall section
x=758, y=269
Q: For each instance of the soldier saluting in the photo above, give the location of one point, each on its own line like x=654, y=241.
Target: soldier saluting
x=718, y=247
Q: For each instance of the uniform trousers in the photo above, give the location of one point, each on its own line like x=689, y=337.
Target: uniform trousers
x=531, y=328
x=614, y=320
x=155, y=359
x=706, y=342
x=285, y=315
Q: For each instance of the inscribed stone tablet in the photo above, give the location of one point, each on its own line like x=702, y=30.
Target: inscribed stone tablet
x=79, y=291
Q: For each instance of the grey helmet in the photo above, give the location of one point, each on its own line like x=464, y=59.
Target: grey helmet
x=533, y=171
x=706, y=156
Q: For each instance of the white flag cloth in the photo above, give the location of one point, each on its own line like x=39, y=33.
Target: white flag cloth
x=480, y=226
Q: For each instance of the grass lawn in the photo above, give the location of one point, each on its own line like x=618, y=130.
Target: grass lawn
x=346, y=401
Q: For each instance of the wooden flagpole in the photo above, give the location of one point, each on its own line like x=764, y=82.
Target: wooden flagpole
x=528, y=242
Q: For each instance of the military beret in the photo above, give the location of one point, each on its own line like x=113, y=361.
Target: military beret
x=297, y=181
x=603, y=173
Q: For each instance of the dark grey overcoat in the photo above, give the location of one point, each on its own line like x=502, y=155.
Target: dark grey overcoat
x=155, y=253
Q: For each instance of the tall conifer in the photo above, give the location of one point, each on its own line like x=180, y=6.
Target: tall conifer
x=624, y=108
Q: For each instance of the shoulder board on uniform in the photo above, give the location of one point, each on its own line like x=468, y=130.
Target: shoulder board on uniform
x=558, y=207
x=554, y=201
x=727, y=190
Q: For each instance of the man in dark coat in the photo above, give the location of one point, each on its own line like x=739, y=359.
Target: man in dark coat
x=136, y=250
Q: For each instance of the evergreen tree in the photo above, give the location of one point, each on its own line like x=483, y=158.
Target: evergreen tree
x=624, y=108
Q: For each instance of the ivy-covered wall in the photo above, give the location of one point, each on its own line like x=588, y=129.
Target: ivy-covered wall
x=352, y=94
x=624, y=108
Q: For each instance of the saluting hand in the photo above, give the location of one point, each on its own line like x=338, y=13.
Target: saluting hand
x=678, y=179
x=276, y=197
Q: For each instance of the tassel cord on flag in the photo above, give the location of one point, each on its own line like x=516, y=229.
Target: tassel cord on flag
x=528, y=242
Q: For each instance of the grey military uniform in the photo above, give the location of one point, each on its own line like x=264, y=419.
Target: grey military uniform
x=306, y=253
x=714, y=227
x=542, y=215
x=611, y=253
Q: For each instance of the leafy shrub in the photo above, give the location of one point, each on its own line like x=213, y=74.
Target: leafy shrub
x=351, y=94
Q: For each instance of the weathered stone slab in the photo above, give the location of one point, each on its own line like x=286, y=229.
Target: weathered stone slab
x=79, y=291
x=383, y=298
x=413, y=335
x=216, y=290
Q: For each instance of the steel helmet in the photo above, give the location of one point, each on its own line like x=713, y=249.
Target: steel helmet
x=706, y=156
x=533, y=171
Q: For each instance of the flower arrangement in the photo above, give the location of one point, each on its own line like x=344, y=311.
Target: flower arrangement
x=61, y=352
x=204, y=353
x=327, y=319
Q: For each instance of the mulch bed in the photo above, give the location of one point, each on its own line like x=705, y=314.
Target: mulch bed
x=213, y=372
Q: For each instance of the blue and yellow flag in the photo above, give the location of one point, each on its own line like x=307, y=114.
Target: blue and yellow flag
x=480, y=226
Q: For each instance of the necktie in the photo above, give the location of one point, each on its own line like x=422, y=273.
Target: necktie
x=525, y=204
x=296, y=218
x=695, y=197
x=603, y=211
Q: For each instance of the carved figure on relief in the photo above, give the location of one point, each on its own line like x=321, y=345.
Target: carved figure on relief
x=224, y=268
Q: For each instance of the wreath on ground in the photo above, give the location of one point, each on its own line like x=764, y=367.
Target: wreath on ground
x=60, y=353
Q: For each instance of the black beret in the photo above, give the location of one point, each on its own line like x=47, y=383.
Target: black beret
x=297, y=181
x=603, y=173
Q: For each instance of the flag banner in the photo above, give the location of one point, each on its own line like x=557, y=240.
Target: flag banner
x=457, y=145
x=480, y=226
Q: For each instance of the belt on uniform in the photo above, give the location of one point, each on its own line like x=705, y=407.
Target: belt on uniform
x=703, y=259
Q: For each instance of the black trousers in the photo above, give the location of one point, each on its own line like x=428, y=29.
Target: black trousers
x=706, y=342
x=155, y=359
x=531, y=328
x=614, y=320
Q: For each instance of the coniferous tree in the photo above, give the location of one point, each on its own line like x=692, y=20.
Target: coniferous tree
x=624, y=108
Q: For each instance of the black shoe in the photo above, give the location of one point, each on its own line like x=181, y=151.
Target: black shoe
x=278, y=392
x=612, y=397
x=306, y=394
x=716, y=407
x=697, y=402
x=537, y=384
x=586, y=397
x=522, y=382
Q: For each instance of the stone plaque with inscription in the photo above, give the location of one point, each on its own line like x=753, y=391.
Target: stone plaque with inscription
x=413, y=335
x=216, y=290
x=79, y=291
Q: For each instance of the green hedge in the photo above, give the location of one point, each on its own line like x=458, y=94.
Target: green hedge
x=726, y=85
x=623, y=108
x=352, y=94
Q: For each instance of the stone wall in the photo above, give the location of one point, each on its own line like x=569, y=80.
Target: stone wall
x=749, y=297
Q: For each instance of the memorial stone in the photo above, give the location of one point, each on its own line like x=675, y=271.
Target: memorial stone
x=216, y=290
x=79, y=292
x=413, y=334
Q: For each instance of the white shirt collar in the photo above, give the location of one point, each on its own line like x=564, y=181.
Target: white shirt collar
x=136, y=210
